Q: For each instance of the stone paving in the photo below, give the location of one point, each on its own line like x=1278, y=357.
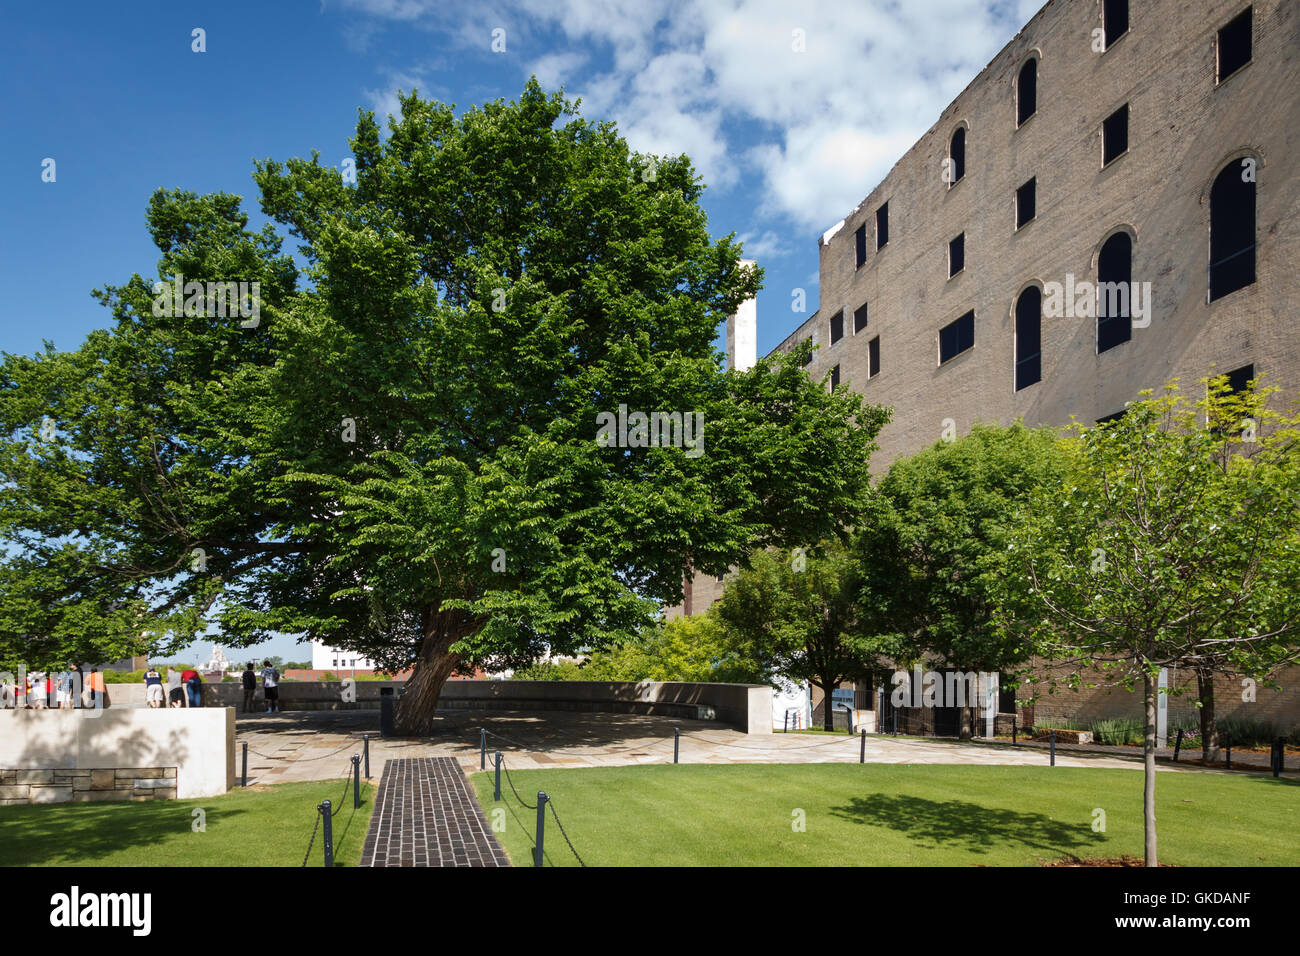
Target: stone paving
x=317, y=745
x=426, y=815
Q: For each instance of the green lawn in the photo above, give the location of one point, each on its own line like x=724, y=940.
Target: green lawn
x=260, y=826
x=893, y=815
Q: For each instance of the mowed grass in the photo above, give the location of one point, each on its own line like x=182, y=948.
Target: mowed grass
x=260, y=826
x=892, y=815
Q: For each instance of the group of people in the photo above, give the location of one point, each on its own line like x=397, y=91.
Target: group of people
x=184, y=688
x=42, y=690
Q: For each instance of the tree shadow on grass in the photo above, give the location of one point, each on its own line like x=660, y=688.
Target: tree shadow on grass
x=80, y=834
x=956, y=824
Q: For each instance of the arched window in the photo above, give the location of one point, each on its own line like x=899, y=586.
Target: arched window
x=957, y=153
x=1232, y=229
x=1029, y=337
x=1114, y=285
x=1027, y=92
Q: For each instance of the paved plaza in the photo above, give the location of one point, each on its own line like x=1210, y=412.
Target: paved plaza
x=316, y=745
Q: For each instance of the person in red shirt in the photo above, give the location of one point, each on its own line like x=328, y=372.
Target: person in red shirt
x=190, y=678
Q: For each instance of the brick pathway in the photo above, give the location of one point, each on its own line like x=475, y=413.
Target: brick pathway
x=426, y=815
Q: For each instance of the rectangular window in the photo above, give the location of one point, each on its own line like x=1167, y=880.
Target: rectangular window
x=860, y=318
x=882, y=226
x=1116, y=20
x=1026, y=201
x=808, y=360
x=835, y=378
x=1114, y=135
x=860, y=238
x=837, y=326
x=1029, y=348
x=956, y=255
x=957, y=337
x=873, y=357
x=1236, y=43
x=1111, y=418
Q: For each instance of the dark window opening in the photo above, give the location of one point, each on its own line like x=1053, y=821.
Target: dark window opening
x=873, y=357
x=1112, y=418
x=956, y=255
x=1114, y=135
x=808, y=360
x=860, y=318
x=1115, y=19
x=1236, y=43
x=1006, y=700
x=861, y=239
x=1026, y=201
x=1232, y=230
x=837, y=326
x=957, y=153
x=882, y=226
x=1029, y=338
x=1239, y=379
x=835, y=378
x=1114, y=285
x=1027, y=92
x=957, y=337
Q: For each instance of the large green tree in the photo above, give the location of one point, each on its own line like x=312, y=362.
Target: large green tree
x=1167, y=547
x=400, y=454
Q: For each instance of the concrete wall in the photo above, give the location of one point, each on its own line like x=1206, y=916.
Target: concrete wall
x=199, y=743
x=747, y=707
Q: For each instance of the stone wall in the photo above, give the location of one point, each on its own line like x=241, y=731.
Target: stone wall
x=194, y=749
x=63, y=785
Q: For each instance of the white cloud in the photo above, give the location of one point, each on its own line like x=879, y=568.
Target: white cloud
x=808, y=134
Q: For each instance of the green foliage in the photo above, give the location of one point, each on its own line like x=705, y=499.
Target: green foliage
x=1172, y=543
x=400, y=458
x=934, y=543
x=795, y=616
x=1118, y=731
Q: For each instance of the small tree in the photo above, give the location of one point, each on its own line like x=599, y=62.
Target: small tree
x=796, y=616
x=1167, y=548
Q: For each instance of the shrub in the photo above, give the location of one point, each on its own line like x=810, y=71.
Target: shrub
x=1118, y=731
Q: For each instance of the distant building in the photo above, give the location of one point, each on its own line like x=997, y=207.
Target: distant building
x=326, y=658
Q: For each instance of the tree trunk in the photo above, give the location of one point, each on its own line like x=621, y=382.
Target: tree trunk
x=418, y=705
x=1149, y=771
x=1209, y=723
x=828, y=716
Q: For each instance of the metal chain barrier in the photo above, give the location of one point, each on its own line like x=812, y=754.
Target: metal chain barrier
x=351, y=765
x=314, y=831
x=551, y=804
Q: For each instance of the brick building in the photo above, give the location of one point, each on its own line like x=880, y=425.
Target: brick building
x=1147, y=144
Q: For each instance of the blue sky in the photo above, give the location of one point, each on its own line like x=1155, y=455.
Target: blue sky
x=787, y=141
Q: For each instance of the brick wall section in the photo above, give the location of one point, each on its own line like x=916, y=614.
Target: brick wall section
x=1183, y=130
x=85, y=786
x=1279, y=707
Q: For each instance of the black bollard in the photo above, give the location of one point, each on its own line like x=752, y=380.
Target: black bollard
x=482, y=748
x=1279, y=755
x=862, y=755
x=497, y=794
x=786, y=728
x=244, y=773
x=1053, y=748
x=365, y=743
x=356, y=781
x=677, y=742
x=328, y=835
x=541, y=826
x=1178, y=744
x=1227, y=750
x=1013, y=728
